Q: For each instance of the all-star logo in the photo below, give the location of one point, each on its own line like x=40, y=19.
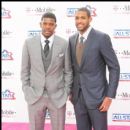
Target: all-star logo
x=71, y=11
x=47, y=115
x=8, y=95
x=5, y=13
x=121, y=117
x=124, y=77
x=6, y=55
x=121, y=33
x=32, y=33
x=92, y=10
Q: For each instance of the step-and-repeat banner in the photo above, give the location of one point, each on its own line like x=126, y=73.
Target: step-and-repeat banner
x=20, y=20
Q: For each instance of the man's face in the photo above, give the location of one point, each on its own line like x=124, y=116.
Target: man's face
x=48, y=26
x=82, y=21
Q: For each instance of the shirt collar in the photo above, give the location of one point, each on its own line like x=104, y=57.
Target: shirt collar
x=85, y=35
x=51, y=38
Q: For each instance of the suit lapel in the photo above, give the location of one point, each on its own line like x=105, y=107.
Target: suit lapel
x=38, y=48
x=54, y=51
x=74, y=46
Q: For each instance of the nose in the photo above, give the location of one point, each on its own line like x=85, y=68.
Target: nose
x=48, y=26
x=79, y=20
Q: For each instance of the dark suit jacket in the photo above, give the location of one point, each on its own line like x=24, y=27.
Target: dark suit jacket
x=91, y=74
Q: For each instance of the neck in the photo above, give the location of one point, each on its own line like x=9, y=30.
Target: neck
x=83, y=31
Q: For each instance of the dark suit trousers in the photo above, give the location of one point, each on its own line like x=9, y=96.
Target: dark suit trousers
x=88, y=118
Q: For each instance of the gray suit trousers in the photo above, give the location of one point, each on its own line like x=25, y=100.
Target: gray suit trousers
x=37, y=113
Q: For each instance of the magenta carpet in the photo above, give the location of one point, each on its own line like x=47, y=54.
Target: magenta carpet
x=25, y=126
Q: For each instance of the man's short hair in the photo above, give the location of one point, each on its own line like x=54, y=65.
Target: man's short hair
x=85, y=10
x=48, y=15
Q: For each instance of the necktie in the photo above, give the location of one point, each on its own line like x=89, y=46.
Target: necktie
x=79, y=50
x=81, y=40
x=46, y=47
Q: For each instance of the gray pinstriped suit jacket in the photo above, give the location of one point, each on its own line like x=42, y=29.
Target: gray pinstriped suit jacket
x=58, y=78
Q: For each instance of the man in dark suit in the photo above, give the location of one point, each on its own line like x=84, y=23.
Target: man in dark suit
x=91, y=52
x=46, y=75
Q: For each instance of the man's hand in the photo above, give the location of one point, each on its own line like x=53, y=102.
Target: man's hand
x=105, y=104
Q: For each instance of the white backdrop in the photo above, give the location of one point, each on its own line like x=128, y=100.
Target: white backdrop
x=20, y=20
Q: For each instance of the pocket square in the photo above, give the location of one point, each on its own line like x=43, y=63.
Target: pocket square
x=61, y=54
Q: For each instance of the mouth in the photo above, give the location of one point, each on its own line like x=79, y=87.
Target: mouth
x=79, y=25
x=47, y=32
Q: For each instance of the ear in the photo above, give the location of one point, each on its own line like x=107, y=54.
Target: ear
x=55, y=25
x=90, y=19
x=40, y=24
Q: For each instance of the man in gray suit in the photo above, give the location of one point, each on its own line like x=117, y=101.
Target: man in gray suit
x=91, y=52
x=46, y=75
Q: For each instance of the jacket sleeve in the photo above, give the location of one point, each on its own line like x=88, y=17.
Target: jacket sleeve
x=25, y=67
x=68, y=76
x=112, y=64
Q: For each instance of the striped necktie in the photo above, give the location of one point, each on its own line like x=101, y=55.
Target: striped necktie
x=46, y=47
